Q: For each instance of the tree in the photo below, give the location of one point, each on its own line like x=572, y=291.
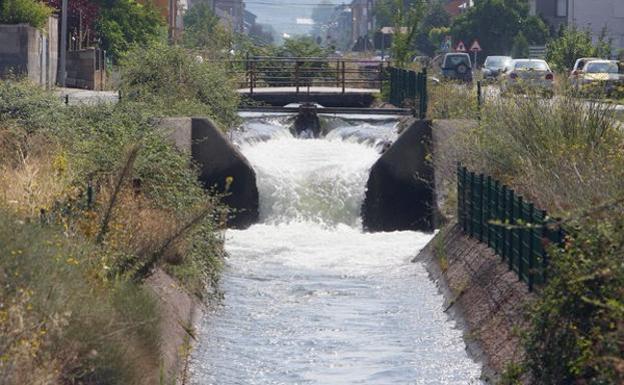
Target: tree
x=202, y=28
x=572, y=44
x=30, y=12
x=124, y=23
x=303, y=46
x=520, y=46
x=436, y=17
x=405, y=21
x=495, y=23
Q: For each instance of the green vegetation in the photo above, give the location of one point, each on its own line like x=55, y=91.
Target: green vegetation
x=124, y=23
x=30, y=12
x=202, y=29
x=565, y=155
x=174, y=82
x=495, y=23
x=572, y=44
x=92, y=199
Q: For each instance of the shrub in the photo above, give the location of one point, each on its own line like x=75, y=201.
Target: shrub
x=174, y=82
x=577, y=324
x=30, y=12
x=125, y=23
x=59, y=323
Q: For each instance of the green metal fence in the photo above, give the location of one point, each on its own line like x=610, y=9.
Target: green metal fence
x=515, y=229
x=409, y=88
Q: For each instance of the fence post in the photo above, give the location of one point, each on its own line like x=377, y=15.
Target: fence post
x=343, y=77
x=424, y=99
x=460, y=196
x=509, y=234
x=297, y=77
x=472, y=200
x=481, y=221
x=531, y=251
x=520, y=232
x=488, y=209
x=381, y=76
x=479, y=100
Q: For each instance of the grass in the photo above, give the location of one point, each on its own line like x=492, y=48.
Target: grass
x=92, y=199
x=565, y=155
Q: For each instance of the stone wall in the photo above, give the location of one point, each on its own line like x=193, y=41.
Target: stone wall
x=27, y=51
x=86, y=69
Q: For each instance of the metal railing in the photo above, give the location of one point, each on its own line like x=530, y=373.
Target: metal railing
x=515, y=229
x=301, y=73
x=409, y=89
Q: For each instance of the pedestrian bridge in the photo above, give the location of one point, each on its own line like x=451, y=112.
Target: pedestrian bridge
x=278, y=81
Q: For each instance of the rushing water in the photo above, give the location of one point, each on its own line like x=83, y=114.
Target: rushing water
x=310, y=298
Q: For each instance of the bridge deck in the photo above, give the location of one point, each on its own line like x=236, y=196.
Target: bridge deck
x=311, y=90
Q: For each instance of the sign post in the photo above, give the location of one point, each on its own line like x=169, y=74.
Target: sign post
x=475, y=48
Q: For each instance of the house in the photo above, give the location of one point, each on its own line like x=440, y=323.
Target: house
x=457, y=7
x=595, y=15
x=231, y=13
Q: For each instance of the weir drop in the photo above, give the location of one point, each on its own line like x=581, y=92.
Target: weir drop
x=309, y=298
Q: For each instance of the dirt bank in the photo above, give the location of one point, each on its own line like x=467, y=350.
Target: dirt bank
x=481, y=294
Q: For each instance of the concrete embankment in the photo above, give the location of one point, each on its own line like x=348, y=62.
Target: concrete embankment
x=485, y=298
x=178, y=310
x=482, y=295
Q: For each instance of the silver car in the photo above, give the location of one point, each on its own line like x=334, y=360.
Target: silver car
x=522, y=75
x=494, y=66
x=599, y=76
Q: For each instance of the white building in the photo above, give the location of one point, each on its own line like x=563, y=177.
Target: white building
x=595, y=15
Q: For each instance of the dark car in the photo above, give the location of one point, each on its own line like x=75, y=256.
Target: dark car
x=456, y=66
x=494, y=66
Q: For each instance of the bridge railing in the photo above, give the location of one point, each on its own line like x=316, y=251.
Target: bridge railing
x=514, y=228
x=301, y=73
x=409, y=89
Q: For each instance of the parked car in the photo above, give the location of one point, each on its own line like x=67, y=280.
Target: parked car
x=599, y=75
x=523, y=75
x=578, y=66
x=494, y=66
x=455, y=66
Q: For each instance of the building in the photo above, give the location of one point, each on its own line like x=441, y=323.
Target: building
x=595, y=15
x=231, y=13
x=172, y=11
x=363, y=21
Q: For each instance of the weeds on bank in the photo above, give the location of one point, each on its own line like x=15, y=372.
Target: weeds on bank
x=566, y=155
x=92, y=198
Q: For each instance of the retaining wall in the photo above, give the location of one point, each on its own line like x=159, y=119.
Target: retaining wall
x=27, y=51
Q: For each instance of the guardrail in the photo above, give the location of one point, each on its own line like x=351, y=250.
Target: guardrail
x=409, y=88
x=304, y=72
x=514, y=228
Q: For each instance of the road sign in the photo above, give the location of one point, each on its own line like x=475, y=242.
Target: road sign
x=461, y=47
x=476, y=47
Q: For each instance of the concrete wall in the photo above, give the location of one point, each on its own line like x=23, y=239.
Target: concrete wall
x=86, y=69
x=27, y=51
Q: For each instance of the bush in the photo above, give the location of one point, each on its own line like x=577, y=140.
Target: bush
x=81, y=235
x=125, y=23
x=30, y=12
x=174, y=82
x=572, y=44
x=577, y=324
x=59, y=323
x=563, y=154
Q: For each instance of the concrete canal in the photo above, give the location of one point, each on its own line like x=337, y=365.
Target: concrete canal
x=309, y=298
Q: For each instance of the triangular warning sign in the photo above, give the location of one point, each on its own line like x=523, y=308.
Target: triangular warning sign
x=475, y=47
x=461, y=47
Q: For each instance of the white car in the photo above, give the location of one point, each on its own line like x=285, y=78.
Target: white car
x=523, y=75
x=599, y=75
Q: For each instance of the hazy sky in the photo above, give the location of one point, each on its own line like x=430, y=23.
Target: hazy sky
x=283, y=14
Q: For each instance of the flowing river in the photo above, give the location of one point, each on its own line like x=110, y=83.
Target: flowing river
x=309, y=298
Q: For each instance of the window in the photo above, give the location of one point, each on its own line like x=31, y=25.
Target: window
x=562, y=8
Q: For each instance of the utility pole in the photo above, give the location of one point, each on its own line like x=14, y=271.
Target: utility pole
x=62, y=59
